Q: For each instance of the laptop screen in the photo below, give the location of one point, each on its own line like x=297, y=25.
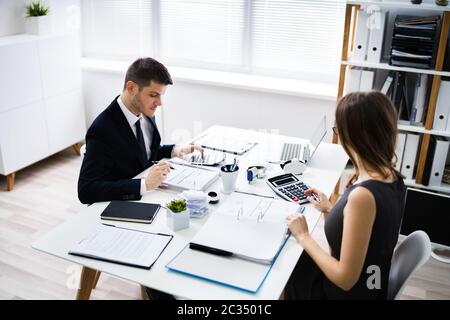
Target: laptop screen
x=318, y=135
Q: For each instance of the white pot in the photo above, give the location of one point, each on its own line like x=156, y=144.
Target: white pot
x=38, y=25
x=178, y=221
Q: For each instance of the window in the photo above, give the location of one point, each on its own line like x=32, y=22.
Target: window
x=117, y=29
x=286, y=38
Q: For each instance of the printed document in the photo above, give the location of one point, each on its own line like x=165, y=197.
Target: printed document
x=125, y=246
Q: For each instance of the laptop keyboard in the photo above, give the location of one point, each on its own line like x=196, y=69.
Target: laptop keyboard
x=293, y=150
x=290, y=151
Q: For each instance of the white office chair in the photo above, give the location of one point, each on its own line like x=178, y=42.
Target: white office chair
x=409, y=256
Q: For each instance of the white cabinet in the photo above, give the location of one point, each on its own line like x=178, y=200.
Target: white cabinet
x=41, y=105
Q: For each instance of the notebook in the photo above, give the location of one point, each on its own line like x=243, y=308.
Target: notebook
x=123, y=246
x=130, y=211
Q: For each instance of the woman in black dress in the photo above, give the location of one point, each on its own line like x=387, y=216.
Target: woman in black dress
x=362, y=227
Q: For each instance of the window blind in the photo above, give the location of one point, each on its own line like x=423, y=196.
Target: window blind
x=297, y=38
x=286, y=38
x=202, y=32
x=117, y=29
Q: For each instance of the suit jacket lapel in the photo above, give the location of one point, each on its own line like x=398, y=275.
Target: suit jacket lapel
x=156, y=139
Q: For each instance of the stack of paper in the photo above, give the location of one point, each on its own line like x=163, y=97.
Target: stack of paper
x=197, y=203
x=188, y=177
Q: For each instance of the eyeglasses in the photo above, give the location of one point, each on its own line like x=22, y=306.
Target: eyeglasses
x=335, y=130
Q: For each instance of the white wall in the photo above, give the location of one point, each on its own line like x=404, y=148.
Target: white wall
x=190, y=108
x=64, y=15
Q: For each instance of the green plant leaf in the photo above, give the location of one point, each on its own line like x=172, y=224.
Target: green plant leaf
x=36, y=9
x=177, y=206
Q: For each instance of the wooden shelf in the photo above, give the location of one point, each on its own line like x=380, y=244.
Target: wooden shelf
x=386, y=66
x=443, y=187
x=402, y=5
x=411, y=128
x=351, y=13
x=419, y=129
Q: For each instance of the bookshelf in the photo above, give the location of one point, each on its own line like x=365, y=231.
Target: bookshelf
x=426, y=131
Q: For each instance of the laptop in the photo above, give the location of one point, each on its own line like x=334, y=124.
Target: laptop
x=305, y=151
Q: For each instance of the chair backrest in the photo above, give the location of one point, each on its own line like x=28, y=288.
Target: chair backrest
x=410, y=255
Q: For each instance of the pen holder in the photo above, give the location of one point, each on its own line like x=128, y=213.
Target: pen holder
x=229, y=178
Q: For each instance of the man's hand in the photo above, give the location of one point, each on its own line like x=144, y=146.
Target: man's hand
x=156, y=175
x=183, y=151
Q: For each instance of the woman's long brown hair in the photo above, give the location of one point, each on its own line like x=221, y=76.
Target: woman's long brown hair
x=367, y=124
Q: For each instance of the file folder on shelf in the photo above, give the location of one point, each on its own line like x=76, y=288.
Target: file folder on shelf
x=367, y=77
x=409, y=155
x=353, y=80
x=435, y=162
x=361, y=36
x=419, y=100
x=442, y=107
x=399, y=149
x=376, y=35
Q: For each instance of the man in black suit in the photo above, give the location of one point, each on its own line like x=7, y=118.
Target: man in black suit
x=124, y=140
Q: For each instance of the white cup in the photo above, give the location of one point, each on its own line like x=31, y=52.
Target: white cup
x=229, y=178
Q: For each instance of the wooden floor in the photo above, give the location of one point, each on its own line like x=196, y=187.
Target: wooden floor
x=45, y=195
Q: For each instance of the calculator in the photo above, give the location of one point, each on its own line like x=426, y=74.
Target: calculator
x=289, y=187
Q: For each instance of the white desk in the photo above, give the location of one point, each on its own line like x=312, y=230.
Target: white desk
x=323, y=172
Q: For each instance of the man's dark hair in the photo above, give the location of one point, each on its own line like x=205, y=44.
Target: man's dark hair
x=145, y=70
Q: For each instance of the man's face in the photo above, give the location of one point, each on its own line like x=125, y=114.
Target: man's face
x=148, y=99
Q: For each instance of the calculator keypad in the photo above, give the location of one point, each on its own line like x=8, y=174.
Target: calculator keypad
x=295, y=191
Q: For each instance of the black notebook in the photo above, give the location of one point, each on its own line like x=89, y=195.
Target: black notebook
x=131, y=211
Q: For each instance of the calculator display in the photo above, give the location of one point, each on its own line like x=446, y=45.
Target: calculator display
x=283, y=181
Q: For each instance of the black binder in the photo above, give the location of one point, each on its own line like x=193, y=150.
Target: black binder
x=131, y=211
x=429, y=161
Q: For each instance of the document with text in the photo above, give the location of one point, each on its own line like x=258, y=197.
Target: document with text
x=121, y=245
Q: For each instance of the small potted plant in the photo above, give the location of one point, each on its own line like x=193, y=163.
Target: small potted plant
x=37, y=19
x=177, y=215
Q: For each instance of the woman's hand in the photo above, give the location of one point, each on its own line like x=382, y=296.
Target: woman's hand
x=319, y=200
x=298, y=227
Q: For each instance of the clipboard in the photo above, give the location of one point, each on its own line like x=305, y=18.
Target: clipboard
x=89, y=251
x=229, y=271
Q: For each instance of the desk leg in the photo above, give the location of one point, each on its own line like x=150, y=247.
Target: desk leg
x=97, y=276
x=86, y=283
x=144, y=294
x=76, y=147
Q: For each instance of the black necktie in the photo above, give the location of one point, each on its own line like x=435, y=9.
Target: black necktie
x=140, y=140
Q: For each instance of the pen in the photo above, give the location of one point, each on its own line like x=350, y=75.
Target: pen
x=301, y=209
x=158, y=161
x=315, y=196
x=215, y=251
x=255, y=194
